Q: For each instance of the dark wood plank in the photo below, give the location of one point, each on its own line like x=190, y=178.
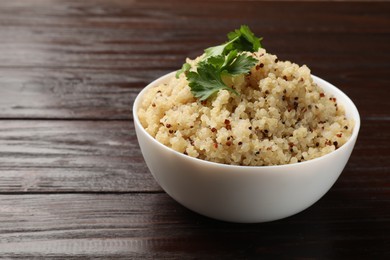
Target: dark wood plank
x=64, y=156
x=176, y=14
x=154, y=226
x=92, y=156
x=88, y=60
x=70, y=93
x=100, y=94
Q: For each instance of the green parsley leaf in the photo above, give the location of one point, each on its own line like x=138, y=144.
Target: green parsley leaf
x=241, y=39
x=206, y=81
x=216, y=61
x=218, y=50
x=244, y=39
x=241, y=64
x=225, y=59
x=233, y=63
x=185, y=68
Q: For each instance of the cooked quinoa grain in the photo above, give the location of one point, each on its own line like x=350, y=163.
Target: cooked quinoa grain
x=280, y=117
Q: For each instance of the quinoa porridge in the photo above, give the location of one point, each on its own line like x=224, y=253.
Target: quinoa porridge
x=279, y=117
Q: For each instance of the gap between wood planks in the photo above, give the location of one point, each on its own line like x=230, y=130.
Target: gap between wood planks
x=80, y=192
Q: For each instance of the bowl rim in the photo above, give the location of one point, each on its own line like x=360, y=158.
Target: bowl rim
x=353, y=110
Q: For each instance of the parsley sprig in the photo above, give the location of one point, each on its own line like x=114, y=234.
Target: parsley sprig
x=226, y=59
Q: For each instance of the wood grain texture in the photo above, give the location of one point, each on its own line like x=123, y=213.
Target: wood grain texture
x=92, y=156
x=88, y=60
x=71, y=156
x=154, y=226
x=99, y=94
x=73, y=183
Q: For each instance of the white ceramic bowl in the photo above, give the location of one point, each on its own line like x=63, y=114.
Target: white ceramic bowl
x=245, y=194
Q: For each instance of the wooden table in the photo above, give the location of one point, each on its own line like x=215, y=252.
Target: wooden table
x=73, y=182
